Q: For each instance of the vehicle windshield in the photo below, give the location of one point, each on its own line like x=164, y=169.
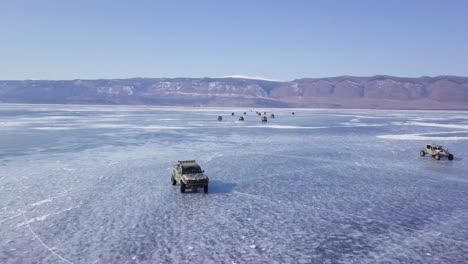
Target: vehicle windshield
x=191, y=170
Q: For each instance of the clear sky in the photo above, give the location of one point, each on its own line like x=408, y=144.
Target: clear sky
x=284, y=40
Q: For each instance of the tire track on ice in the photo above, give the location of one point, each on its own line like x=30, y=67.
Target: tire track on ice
x=27, y=221
x=42, y=242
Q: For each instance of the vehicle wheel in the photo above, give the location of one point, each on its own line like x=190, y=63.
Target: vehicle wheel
x=437, y=157
x=205, y=189
x=182, y=187
x=422, y=153
x=173, y=181
x=450, y=157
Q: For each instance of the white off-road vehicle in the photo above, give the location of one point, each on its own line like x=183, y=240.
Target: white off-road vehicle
x=436, y=151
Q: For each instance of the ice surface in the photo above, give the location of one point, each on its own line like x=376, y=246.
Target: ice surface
x=90, y=184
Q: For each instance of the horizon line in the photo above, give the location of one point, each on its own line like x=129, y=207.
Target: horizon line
x=244, y=77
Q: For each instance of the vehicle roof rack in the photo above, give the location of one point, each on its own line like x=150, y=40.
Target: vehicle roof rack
x=186, y=161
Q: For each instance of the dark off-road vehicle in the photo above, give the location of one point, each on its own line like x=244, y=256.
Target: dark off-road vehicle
x=264, y=119
x=220, y=118
x=436, y=151
x=241, y=118
x=190, y=176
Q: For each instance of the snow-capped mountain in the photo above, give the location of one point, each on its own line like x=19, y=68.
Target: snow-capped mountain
x=442, y=92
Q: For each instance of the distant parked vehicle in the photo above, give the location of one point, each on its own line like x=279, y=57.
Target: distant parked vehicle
x=293, y=113
x=245, y=113
x=241, y=118
x=264, y=113
x=190, y=176
x=272, y=116
x=436, y=151
x=220, y=118
x=264, y=119
x=232, y=113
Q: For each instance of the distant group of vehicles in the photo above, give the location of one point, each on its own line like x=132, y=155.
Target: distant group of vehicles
x=264, y=118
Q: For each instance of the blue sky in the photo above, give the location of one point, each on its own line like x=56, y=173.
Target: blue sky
x=283, y=40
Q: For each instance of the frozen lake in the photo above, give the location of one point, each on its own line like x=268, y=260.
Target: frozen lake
x=91, y=184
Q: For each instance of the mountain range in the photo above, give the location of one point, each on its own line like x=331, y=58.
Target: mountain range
x=376, y=92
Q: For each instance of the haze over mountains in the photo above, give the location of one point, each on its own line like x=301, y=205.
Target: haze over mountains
x=379, y=92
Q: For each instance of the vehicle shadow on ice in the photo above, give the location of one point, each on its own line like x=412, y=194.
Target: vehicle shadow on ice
x=215, y=187
x=221, y=187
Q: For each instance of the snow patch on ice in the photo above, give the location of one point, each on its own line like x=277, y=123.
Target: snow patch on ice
x=161, y=127
x=44, y=217
x=41, y=202
x=356, y=124
x=34, y=219
x=54, y=128
x=425, y=136
x=430, y=125
x=285, y=127
x=107, y=126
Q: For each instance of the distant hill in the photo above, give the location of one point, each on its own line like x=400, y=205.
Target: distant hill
x=377, y=92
